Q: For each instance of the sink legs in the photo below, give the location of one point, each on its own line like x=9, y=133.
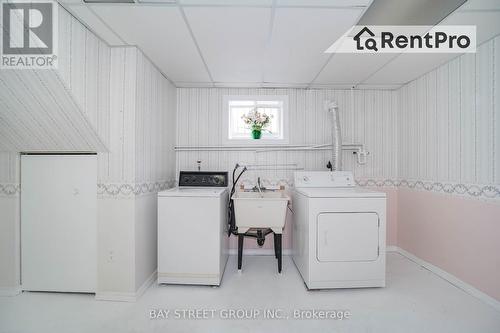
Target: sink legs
x=275, y=246
x=277, y=250
x=241, y=237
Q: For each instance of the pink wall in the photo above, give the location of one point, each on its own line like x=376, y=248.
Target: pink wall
x=460, y=235
x=287, y=236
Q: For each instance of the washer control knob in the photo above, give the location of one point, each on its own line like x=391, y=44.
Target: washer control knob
x=306, y=179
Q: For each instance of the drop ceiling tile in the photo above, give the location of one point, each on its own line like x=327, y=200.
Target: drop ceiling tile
x=164, y=2
x=323, y=3
x=64, y=2
x=379, y=86
x=97, y=26
x=161, y=33
x=266, y=3
x=232, y=40
x=351, y=69
x=300, y=37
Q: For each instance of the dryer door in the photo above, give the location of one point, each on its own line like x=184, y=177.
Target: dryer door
x=346, y=236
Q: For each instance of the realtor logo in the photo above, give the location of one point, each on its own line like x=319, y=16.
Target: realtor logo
x=29, y=38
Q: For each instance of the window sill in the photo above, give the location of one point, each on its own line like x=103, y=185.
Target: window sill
x=255, y=142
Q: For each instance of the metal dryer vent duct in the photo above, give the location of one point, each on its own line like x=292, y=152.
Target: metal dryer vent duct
x=336, y=162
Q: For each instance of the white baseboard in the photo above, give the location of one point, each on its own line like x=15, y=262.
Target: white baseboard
x=10, y=291
x=259, y=252
x=149, y=281
x=127, y=296
x=469, y=289
x=115, y=296
x=392, y=248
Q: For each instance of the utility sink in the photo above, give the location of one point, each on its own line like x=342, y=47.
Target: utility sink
x=261, y=210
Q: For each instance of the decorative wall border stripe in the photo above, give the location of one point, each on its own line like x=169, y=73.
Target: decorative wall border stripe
x=133, y=189
x=269, y=182
x=474, y=190
x=9, y=189
x=110, y=189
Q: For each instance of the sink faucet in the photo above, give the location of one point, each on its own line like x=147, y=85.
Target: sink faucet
x=259, y=187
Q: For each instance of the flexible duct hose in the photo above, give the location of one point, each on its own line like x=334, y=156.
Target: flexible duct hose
x=336, y=137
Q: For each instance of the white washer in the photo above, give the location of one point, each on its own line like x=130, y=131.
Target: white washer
x=192, y=229
x=338, y=231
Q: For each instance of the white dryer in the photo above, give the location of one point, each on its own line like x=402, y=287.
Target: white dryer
x=338, y=231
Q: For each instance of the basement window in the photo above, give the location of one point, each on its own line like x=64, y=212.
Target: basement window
x=248, y=116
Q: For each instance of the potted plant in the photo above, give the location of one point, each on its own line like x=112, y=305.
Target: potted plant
x=257, y=122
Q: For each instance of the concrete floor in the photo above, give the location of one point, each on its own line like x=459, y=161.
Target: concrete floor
x=415, y=300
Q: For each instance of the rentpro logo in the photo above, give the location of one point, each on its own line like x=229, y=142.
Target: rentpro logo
x=388, y=40
x=411, y=39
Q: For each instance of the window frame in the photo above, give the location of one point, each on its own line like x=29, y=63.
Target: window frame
x=249, y=141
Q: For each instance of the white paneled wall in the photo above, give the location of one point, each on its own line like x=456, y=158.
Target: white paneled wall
x=449, y=123
x=111, y=100
x=119, y=164
x=102, y=80
x=9, y=170
x=127, y=100
x=368, y=117
x=38, y=113
x=84, y=63
x=155, y=124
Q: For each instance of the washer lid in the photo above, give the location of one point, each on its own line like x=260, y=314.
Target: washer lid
x=339, y=192
x=193, y=192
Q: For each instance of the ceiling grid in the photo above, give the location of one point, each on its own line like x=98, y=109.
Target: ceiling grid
x=275, y=43
x=196, y=43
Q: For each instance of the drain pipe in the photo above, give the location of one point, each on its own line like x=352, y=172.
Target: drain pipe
x=336, y=163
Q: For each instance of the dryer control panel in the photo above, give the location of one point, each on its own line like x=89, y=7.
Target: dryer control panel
x=324, y=179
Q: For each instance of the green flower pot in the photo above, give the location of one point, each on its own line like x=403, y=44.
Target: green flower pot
x=256, y=134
